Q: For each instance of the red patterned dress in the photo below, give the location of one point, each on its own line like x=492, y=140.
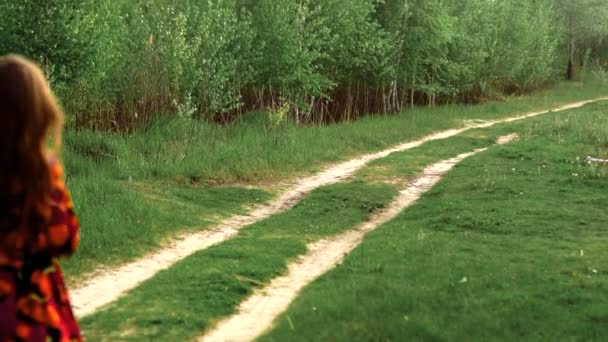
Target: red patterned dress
x=34, y=304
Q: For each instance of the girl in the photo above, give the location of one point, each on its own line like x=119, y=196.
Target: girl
x=37, y=222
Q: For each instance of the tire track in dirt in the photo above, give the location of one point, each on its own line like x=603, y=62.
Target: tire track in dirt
x=106, y=285
x=257, y=313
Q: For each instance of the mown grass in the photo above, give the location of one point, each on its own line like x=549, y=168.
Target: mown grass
x=110, y=174
x=509, y=246
x=182, y=301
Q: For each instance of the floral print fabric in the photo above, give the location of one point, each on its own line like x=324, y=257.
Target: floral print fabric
x=34, y=303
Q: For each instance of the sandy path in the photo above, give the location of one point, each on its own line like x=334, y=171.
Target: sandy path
x=107, y=285
x=257, y=313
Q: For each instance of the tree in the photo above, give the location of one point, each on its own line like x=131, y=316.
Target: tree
x=585, y=25
x=49, y=32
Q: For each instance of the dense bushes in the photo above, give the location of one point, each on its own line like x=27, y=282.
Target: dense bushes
x=116, y=63
x=585, y=28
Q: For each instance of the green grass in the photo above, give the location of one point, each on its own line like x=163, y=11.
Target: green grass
x=511, y=245
x=246, y=152
x=400, y=167
x=122, y=220
x=182, y=301
x=110, y=174
x=260, y=252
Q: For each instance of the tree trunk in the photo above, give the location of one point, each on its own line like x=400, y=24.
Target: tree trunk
x=413, y=90
x=570, y=71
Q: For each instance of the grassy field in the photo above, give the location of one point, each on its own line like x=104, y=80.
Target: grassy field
x=206, y=286
x=509, y=246
x=182, y=301
x=134, y=191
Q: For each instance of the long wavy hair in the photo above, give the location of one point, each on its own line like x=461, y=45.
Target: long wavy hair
x=30, y=133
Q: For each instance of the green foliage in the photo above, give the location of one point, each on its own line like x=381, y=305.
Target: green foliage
x=117, y=63
x=54, y=33
x=585, y=28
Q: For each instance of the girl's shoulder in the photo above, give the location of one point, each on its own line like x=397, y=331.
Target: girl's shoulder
x=54, y=163
x=59, y=191
x=55, y=169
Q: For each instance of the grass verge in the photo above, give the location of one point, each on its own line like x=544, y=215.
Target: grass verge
x=509, y=246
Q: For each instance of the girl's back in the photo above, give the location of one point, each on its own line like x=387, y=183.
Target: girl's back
x=37, y=221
